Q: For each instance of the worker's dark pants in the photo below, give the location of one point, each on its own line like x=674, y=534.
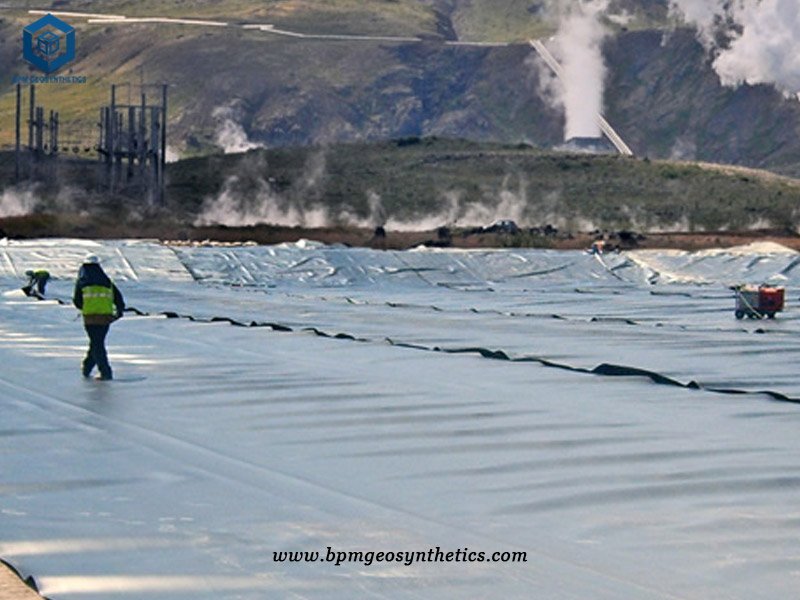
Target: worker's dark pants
x=41, y=282
x=96, y=356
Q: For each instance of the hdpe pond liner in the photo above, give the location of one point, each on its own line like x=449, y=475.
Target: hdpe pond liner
x=496, y=401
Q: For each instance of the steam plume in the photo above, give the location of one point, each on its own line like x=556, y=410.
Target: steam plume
x=249, y=197
x=581, y=69
x=230, y=134
x=579, y=46
x=16, y=203
x=764, y=39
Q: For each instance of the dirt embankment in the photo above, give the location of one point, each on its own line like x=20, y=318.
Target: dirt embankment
x=49, y=226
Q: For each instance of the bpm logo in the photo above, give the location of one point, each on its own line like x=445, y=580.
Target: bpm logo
x=48, y=44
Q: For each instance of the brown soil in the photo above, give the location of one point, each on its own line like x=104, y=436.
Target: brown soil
x=12, y=587
x=39, y=226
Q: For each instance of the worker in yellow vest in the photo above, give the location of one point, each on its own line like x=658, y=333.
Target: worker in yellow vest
x=101, y=304
x=37, y=280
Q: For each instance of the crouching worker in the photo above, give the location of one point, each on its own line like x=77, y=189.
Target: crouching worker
x=37, y=280
x=101, y=304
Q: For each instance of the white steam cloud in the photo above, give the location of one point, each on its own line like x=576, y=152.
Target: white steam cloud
x=230, y=134
x=250, y=198
x=764, y=39
x=506, y=203
x=17, y=203
x=704, y=14
x=578, y=48
x=172, y=155
x=35, y=198
x=234, y=208
x=578, y=45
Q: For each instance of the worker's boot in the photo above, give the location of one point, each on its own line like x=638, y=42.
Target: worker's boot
x=86, y=367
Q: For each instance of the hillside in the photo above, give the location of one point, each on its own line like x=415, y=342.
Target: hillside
x=277, y=91
x=435, y=182
x=415, y=184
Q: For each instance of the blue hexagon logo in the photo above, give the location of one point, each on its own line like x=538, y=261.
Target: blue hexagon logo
x=48, y=43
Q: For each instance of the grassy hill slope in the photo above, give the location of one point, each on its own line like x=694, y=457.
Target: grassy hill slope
x=416, y=179
x=661, y=93
x=425, y=183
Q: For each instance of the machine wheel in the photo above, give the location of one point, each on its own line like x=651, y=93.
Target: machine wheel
x=739, y=314
x=771, y=315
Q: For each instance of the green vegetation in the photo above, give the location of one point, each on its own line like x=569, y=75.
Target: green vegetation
x=522, y=20
x=388, y=17
x=417, y=178
x=661, y=93
x=231, y=58
x=509, y=21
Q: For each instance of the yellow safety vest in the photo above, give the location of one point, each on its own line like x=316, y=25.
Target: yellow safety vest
x=98, y=300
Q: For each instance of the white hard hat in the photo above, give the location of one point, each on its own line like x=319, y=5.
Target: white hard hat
x=91, y=259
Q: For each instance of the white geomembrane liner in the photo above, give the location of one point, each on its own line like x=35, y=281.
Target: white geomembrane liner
x=607, y=415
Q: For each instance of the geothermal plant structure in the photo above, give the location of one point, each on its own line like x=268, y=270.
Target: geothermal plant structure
x=132, y=140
